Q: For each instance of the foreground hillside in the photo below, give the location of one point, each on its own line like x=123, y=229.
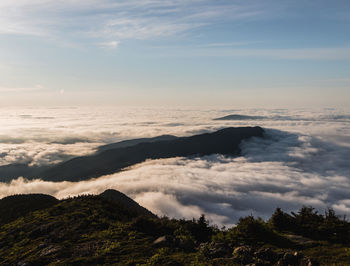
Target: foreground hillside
x=113, y=229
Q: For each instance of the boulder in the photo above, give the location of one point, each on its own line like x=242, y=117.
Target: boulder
x=243, y=254
x=295, y=258
x=50, y=250
x=266, y=255
x=215, y=250
x=164, y=241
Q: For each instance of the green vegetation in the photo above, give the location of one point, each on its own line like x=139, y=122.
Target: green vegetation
x=309, y=223
x=16, y=206
x=99, y=230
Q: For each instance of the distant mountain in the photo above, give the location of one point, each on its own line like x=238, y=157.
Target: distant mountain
x=114, y=157
x=132, y=142
x=273, y=117
x=12, y=171
x=240, y=117
x=225, y=141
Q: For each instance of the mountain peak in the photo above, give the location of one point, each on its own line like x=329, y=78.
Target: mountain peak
x=120, y=198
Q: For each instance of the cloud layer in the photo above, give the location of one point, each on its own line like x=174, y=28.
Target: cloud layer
x=303, y=163
x=48, y=135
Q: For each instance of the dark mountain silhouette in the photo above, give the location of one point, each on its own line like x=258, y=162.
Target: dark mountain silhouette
x=240, y=117
x=114, y=157
x=12, y=171
x=225, y=141
x=274, y=117
x=15, y=206
x=132, y=142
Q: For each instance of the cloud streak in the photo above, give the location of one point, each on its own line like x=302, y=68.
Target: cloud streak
x=315, y=53
x=23, y=89
x=116, y=19
x=109, y=45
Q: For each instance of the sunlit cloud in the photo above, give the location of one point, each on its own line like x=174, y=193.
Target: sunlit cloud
x=223, y=188
x=81, y=130
x=303, y=163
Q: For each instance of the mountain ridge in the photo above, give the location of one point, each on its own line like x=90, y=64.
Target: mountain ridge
x=225, y=141
x=114, y=157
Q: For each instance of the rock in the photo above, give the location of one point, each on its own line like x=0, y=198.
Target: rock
x=298, y=255
x=186, y=244
x=287, y=259
x=159, y=240
x=86, y=249
x=172, y=263
x=308, y=262
x=42, y=245
x=290, y=259
x=258, y=264
x=267, y=255
x=164, y=241
x=22, y=263
x=295, y=258
x=215, y=250
x=243, y=254
x=42, y=230
x=50, y=250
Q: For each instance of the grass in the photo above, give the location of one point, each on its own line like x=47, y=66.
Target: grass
x=93, y=230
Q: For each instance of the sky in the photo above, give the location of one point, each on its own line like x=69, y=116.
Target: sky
x=278, y=53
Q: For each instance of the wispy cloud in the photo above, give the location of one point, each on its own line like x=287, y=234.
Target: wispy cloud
x=330, y=53
x=21, y=89
x=118, y=20
x=231, y=44
x=335, y=80
x=110, y=45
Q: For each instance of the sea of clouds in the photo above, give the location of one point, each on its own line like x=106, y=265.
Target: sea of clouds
x=303, y=160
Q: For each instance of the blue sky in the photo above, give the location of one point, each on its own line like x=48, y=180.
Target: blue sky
x=175, y=52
